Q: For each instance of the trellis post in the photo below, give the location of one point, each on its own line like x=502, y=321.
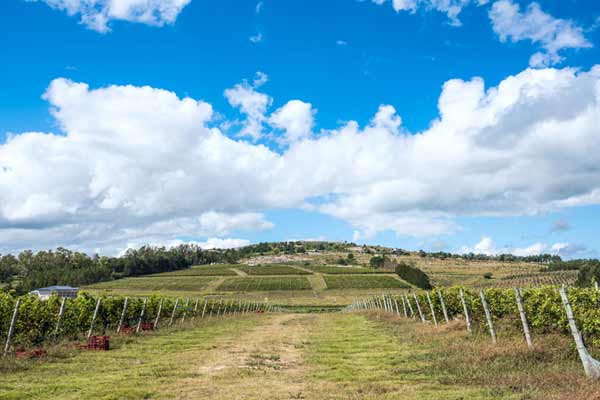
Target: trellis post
x=465, y=310
x=419, y=308
x=195, y=309
x=60, y=314
x=590, y=365
x=204, y=308
x=444, y=310
x=397, y=309
x=185, y=308
x=11, y=329
x=431, y=307
x=139, y=324
x=173, y=312
x=412, y=312
x=404, y=306
x=122, y=315
x=488, y=316
x=523, y=317
x=158, y=313
x=94, y=317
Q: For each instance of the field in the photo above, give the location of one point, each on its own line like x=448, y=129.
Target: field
x=307, y=356
x=265, y=283
x=363, y=282
x=343, y=270
x=272, y=270
x=199, y=270
x=177, y=283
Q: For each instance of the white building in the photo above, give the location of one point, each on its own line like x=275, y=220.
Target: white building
x=60, y=291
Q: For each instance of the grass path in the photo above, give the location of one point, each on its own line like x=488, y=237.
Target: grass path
x=279, y=356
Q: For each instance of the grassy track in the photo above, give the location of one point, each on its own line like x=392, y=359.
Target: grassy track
x=310, y=356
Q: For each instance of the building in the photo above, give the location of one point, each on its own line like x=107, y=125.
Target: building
x=60, y=291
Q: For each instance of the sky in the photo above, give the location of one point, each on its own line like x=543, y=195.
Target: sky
x=442, y=125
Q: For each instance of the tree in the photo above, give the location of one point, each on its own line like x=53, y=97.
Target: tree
x=377, y=262
x=411, y=274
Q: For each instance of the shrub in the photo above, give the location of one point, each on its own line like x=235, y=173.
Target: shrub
x=377, y=262
x=413, y=275
x=487, y=275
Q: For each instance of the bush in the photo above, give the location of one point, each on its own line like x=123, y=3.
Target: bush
x=413, y=275
x=377, y=262
x=487, y=275
x=587, y=273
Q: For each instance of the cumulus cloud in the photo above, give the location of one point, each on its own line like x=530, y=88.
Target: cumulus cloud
x=97, y=14
x=140, y=163
x=296, y=118
x=251, y=103
x=550, y=33
x=449, y=7
x=487, y=246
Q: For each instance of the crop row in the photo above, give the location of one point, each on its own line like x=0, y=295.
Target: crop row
x=37, y=320
x=248, y=284
x=273, y=270
x=362, y=282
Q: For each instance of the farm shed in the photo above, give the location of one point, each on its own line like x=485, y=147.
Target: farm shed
x=60, y=291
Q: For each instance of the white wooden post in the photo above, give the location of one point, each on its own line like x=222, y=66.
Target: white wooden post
x=412, y=312
x=122, y=315
x=158, y=313
x=590, y=365
x=443, y=306
x=404, y=306
x=432, y=309
x=94, y=317
x=185, y=308
x=523, y=317
x=397, y=309
x=465, y=310
x=173, y=312
x=419, y=308
x=11, y=328
x=195, y=309
x=488, y=316
x=60, y=314
x=139, y=324
x=204, y=308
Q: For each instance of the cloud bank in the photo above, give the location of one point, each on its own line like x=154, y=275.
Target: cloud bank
x=140, y=164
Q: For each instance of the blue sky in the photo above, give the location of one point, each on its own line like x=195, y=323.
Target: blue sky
x=341, y=60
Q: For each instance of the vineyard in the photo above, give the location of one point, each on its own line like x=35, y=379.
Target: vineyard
x=272, y=270
x=324, y=269
x=37, y=322
x=169, y=282
x=221, y=270
x=552, y=278
x=363, y=282
x=246, y=284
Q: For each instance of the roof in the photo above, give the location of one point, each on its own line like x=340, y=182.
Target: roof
x=55, y=288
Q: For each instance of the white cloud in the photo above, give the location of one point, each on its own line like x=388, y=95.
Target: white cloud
x=341, y=43
x=451, y=8
x=97, y=14
x=256, y=38
x=296, y=118
x=140, y=164
x=487, y=246
x=552, y=34
x=251, y=103
x=259, y=7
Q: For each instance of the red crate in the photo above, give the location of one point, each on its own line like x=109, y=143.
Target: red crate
x=127, y=330
x=98, y=343
x=147, y=326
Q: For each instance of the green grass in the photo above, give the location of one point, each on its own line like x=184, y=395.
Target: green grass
x=178, y=283
x=204, y=270
x=272, y=270
x=326, y=269
x=363, y=282
x=137, y=367
x=265, y=283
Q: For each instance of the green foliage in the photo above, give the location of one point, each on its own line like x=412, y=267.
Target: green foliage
x=413, y=275
x=37, y=319
x=488, y=275
x=246, y=284
x=377, y=262
x=588, y=272
x=362, y=282
x=272, y=270
x=327, y=269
